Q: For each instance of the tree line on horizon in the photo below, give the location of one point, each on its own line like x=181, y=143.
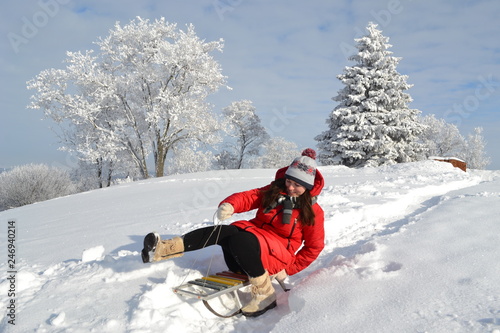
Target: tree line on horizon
x=141, y=99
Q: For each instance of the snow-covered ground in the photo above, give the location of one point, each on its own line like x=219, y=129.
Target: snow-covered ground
x=410, y=248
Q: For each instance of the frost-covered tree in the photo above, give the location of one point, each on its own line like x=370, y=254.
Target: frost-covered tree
x=444, y=140
x=372, y=124
x=102, y=174
x=189, y=160
x=440, y=138
x=95, y=154
x=226, y=160
x=32, y=183
x=246, y=131
x=92, y=175
x=278, y=153
x=474, y=153
x=142, y=93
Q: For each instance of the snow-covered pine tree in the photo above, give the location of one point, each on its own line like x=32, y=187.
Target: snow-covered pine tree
x=372, y=125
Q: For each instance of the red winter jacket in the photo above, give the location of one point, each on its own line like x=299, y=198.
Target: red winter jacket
x=281, y=243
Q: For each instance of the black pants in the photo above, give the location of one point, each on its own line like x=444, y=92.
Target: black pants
x=241, y=248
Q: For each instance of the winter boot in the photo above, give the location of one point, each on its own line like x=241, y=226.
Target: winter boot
x=263, y=296
x=156, y=249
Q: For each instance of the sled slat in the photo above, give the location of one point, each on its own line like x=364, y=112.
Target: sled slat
x=203, y=283
x=227, y=279
x=185, y=292
x=214, y=284
x=233, y=276
x=204, y=294
x=220, y=280
x=208, y=287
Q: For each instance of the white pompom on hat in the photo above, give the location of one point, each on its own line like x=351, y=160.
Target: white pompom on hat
x=303, y=169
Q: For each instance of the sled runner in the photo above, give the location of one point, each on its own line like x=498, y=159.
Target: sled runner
x=215, y=286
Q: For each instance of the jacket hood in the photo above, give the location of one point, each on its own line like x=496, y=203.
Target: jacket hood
x=319, y=181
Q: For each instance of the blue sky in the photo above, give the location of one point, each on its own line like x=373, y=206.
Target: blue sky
x=284, y=56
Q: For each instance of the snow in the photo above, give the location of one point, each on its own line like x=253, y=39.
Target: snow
x=93, y=254
x=411, y=247
x=445, y=158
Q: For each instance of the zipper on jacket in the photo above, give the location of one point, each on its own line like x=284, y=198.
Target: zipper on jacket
x=270, y=223
x=291, y=233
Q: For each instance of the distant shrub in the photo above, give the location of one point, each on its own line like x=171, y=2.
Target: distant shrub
x=32, y=183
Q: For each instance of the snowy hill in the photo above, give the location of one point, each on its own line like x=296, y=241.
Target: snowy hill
x=410, y=248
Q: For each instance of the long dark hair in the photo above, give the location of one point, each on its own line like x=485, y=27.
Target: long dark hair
x=306, y=212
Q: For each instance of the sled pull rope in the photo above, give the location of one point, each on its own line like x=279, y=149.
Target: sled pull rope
x=217, y=227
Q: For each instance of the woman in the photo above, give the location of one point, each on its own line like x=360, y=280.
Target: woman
x=286, y=235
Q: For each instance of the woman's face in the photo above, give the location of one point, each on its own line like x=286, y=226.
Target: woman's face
x=294, y=189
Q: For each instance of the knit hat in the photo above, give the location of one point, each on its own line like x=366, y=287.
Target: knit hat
x=303, y=169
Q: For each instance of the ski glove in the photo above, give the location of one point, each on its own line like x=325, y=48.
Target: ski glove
x=225, y=211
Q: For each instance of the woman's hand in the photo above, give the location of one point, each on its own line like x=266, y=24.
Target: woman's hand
x=225, y=211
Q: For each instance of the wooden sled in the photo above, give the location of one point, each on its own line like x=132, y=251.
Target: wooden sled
x=215, y=286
